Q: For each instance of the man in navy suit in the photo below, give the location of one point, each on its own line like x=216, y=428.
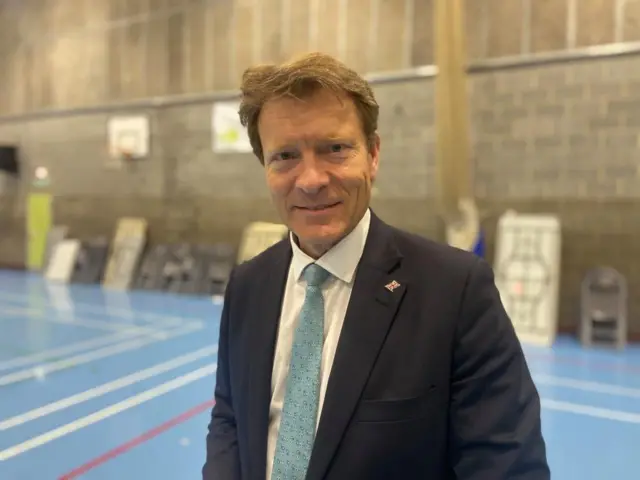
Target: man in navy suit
x=353, y=350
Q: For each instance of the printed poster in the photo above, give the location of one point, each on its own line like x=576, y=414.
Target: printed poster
x=229, y=136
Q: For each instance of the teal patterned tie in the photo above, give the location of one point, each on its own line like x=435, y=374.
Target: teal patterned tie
x=300, y=410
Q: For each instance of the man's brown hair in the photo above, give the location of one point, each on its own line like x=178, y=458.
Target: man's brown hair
x=300, y=78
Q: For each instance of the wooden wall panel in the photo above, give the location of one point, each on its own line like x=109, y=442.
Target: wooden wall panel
x=35, y=20
x=69, y=53
x=134, y=39
x=358, y=12
x=477, y=28
x=8, y=33
x=6, y=78
x=423, y=42
x=505, y=27
x=271, y=31
x=218, y=15
x=19, y=88
x=132, y=34
x=549, y=25
x=137, y=9
x=67, y=16
x=95, y=83
x=195, y=68
x=596, y=22
x=296, y=29
x=157, y=60
x=9, y=39
x=390, y=51
x=63, y=54
x=244, y=37
x=328, y=24
x=39, y=75
x=631, y=24
x=176, y=35
x=114, y=40
x=13, y=95
x=117, y=9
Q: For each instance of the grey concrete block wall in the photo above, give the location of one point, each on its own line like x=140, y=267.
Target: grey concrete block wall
x=559, y=131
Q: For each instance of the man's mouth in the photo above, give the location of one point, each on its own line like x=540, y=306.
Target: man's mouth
x=319, y=208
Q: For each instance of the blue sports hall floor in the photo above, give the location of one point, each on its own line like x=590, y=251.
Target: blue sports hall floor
x=111, y=385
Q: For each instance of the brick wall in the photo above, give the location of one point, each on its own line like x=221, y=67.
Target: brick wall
x=560, y=138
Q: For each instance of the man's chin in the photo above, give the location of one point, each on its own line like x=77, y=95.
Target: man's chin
x=319, y=236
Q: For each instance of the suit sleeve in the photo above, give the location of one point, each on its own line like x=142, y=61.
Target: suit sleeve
x=222, y=461
x=495, y=407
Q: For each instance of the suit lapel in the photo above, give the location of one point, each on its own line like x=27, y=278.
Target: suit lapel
x=377, y=294
x=262, y=332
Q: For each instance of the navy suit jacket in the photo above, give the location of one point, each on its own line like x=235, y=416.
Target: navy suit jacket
x=429, y=380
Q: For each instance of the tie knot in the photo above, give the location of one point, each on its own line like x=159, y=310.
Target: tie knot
x=315, y=275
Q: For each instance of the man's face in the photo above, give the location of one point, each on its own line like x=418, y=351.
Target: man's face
x=318, y=167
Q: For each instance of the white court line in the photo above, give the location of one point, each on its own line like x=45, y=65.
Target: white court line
x=104, y=311
x=93, y=310
x=109, y=387
x=106, y=325
x=47, y=368
x=107, y=412
x=43, y=355
x=209, y=370
x=590, y=411
x=596, y=387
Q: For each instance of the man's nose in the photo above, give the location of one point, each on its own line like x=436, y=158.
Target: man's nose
x=313, y=176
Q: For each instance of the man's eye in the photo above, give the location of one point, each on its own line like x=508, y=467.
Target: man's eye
x=285, y=156
x=337, y=148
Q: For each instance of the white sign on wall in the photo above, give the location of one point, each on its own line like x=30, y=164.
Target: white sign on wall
x=229, y=136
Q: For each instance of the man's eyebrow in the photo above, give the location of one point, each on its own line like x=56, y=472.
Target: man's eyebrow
x=284, y=146
x=294, y=145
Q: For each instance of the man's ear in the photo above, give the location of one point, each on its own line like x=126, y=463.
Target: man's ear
x=374, y=156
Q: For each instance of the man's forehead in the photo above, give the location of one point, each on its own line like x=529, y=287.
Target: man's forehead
x=292, y=117
x=318, y=101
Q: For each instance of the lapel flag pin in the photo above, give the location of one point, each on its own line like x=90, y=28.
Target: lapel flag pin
x=392, y=286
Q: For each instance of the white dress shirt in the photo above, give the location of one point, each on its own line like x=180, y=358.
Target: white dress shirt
x=341, y=261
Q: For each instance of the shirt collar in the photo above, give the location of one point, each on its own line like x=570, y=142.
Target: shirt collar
x=340, y=261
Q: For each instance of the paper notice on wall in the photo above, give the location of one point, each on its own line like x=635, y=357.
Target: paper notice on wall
x=229, y=136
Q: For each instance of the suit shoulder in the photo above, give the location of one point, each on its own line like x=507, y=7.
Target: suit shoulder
x=263, y=260
x=427, y=252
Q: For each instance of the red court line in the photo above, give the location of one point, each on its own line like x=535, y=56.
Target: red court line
x=137, y=441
